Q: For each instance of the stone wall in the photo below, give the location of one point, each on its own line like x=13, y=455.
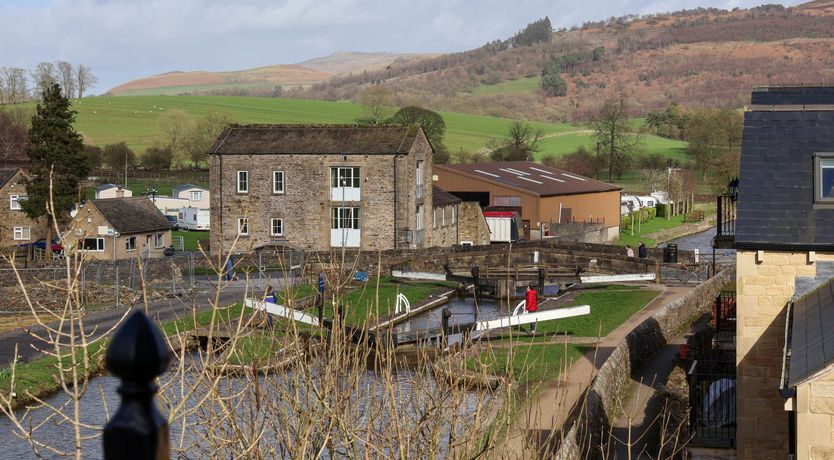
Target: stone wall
x=472, y=226
x=583, y=438
x=9, y=219
x=444, y=225
x=764, y=287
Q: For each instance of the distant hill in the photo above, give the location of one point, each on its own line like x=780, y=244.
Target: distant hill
x=260, y=81
x=702, y=57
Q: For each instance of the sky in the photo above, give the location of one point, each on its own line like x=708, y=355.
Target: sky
x=123, y=40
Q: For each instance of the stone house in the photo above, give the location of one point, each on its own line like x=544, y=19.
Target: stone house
x=15, y=227
x=198, y=197
x=119, y=228
x=454, y=221
x=784, y=237
x=321, y=187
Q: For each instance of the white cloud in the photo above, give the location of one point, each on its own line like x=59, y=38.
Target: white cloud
x=123, y=39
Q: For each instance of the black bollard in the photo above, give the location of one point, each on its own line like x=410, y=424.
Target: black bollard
x=444, y=321
x=137, y=355
x=541, y=281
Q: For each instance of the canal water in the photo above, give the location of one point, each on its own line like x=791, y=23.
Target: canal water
x=703, y=242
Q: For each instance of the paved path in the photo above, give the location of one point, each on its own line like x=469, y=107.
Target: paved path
x=102, y=321
x=542, y=423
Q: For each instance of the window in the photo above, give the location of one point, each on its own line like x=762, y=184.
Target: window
x=243, y=182
x=454, y=214
x=277, y=227
x=824, y=175
x=14, y=202
x=130, y=243
x=277, y=181
x=443, y=217
x=196, y=196
x=419, y=213
x=419, y=182
x=22, y=233
x=159, y=240
x=344, y=177
x=92, y=244
x=243, y=226
x=345, y=218
x=434, y=218
x=506, y=201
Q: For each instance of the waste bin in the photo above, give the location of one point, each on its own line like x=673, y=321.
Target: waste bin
x=670, y=254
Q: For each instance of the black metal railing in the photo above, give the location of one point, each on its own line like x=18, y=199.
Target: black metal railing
x=712, y=404
x=725, y=227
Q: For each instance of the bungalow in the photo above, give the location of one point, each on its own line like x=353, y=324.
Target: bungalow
x=111, y=191
x=120, y=228
x=198, y=197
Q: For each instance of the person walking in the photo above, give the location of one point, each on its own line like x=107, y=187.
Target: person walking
x=271, y=298
x=531, y=302
x=642, y=252
x=629, y=251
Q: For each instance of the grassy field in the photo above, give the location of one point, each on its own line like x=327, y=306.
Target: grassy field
x=530, y=363
x=657, y=224
x=190, y=239
x=521, y=85
x=361, y=302
x=134, y=120
x=559, y=144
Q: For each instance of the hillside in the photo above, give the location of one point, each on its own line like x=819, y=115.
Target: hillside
x=134, y=120
x=260, y=81
x=704, y=57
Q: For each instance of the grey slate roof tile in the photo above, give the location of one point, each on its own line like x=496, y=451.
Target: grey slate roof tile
x=132, y=215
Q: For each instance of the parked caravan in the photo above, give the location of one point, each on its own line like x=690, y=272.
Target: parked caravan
x=504, y=226
x=193, y=218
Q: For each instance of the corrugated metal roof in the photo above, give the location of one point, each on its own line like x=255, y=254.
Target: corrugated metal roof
x=534, y=178
x=812, y=334
x=315, y=139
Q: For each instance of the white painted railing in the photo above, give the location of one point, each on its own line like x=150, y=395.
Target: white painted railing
x=402, y=306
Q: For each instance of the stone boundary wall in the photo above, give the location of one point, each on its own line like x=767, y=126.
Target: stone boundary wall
x=640, y=344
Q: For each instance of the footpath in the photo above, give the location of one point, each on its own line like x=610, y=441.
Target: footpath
x=540, y=427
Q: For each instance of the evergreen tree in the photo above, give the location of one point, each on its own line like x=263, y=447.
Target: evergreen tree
x=552, y=82
x=55, y=150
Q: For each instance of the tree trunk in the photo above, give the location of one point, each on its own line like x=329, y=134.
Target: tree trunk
x=48, y=246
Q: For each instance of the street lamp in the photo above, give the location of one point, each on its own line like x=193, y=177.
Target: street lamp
x=732, y=189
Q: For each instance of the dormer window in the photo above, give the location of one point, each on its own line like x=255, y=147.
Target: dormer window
x=824, y=178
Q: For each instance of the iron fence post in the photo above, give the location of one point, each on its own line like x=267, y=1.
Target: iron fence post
x=137, y=355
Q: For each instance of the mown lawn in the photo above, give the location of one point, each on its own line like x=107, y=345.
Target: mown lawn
x=361, y=304
x=190, y=238
x=520, y=85
x=529, y=363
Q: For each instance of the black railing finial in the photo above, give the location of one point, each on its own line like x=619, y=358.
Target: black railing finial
x=137, y=355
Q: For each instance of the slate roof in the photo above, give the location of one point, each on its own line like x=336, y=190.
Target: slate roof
x=793, y=95
x=13, y=154
x=179, y=188
x=6, y=175
x=132, y=215
x=775, y=208
x=812, y=334
x=440, y=197
x=315, y=139
x=108, y=186
x=533, y=178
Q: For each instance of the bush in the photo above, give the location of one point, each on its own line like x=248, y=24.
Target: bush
x=661, y=210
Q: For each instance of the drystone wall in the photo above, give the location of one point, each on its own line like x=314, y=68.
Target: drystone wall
x=641, y=343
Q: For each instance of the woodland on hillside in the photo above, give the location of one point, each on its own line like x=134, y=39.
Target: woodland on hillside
x=704, y=57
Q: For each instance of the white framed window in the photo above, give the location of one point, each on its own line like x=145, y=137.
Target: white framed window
x=454, y=214
x=419, y=179
x=347, y=176
x=195, y=196
x=243, y=226
x=824, y=178
x=159, y=240
x=92, y=244
x=443, y=216
x=130, y=243
x=345, y=218
x=434, y=218
x=243, y=182
x=15, y=200
x=276, y=227
x=277, y=182
x=22, y=233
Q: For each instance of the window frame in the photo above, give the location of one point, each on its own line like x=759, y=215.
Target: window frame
x=128, y=245
x=197, y=193
x=243, y=224
x=245, y=181
x=272, y=222
x=819, y=157
x=336, y=176
x=159, y=240
x=98, y=239
x=275, y=189
x=342, y=214
x=25, y=233
x=16, y=199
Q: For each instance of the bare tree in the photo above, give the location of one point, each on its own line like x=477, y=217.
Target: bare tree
x=44, y=76
x=175, y=126
x=66, y=77
x=13, y=85
x=375, y=101
x=614, y=134
x=84, y=79
x=198, y=140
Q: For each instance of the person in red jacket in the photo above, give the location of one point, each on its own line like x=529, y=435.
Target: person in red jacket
x=531, y=305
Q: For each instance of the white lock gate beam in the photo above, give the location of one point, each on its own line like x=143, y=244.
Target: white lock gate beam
x=282, y=311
